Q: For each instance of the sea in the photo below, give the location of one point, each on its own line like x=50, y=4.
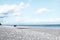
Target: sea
x=35, y=26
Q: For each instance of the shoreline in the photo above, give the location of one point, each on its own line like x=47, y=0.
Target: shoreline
x=57, y=27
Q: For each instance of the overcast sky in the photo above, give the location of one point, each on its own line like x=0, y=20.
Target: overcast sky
x=30, y=11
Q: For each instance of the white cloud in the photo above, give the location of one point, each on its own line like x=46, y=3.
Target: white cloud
x=17, y=13
x=42, y=10
x=17, y=9
x=38, y=20
x=20, y=8
x=21, y=4
x=29, y=20
x=5, y=8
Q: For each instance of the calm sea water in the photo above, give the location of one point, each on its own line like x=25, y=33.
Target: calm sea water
x=32, y=25
x=41, y=26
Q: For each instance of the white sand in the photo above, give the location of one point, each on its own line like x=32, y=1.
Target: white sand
x=41, y=33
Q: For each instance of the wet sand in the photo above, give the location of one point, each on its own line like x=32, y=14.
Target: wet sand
x=41, y=33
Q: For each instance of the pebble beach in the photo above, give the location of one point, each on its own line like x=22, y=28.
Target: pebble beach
x=15, y=33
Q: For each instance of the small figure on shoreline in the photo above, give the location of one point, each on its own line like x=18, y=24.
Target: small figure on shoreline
x=0, y=24
x=15, y=25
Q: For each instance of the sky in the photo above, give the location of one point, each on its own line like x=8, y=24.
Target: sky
x=30, y=11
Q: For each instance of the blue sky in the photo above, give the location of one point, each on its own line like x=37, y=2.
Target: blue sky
x=30, y=11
